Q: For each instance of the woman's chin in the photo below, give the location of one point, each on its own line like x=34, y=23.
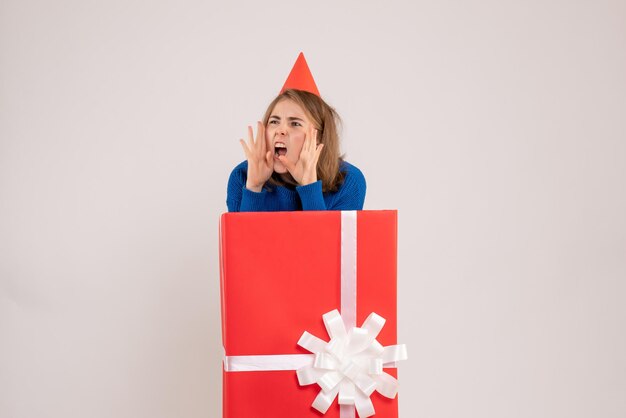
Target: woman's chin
x=279, y=167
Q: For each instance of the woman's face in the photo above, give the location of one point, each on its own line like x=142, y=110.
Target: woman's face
x=285, y=132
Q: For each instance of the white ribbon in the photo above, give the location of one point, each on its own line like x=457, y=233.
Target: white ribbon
x=267, y=362
x=351, y=364
x=348, y=267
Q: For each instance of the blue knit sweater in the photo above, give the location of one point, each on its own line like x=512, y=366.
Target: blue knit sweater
x=350, y=196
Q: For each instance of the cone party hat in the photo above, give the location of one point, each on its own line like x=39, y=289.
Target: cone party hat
x=300, y=77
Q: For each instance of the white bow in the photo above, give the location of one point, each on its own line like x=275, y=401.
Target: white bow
x=350, y=364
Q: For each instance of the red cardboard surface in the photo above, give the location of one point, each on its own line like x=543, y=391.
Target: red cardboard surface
x=280, y=272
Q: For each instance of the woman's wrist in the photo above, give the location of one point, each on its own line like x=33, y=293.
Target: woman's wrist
x=308, y=180
x=254, y=188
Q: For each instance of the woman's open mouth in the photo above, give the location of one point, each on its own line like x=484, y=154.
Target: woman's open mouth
x=279, y=149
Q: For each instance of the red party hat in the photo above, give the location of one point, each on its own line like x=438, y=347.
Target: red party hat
x=300, y=77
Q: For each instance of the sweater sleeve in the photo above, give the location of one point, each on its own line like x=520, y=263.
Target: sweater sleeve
x=253, y=201
x=233, y=191
x=311, y=196
x=240, y=199
x=351, y=194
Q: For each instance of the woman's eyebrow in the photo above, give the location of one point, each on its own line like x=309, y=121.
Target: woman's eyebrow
x=289, y=118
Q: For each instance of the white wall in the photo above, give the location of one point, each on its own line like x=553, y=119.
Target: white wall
x=496, y=128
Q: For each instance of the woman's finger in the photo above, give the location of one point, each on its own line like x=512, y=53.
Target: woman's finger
x=288, y=164
x=312, y=144
x=260, y=137
x=250, y=137
x=304, y=143
x=307, y=143
x=245, y=147
x=269, y=158
x=318, y=152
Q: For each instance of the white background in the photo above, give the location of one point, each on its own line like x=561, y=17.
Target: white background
x=496, y=128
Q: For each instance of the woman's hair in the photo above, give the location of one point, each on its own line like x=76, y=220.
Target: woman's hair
x=326, y=120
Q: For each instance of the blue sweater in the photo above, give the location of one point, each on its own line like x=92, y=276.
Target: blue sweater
x=349, y=196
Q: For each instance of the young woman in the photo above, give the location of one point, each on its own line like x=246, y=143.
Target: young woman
x=294, y=162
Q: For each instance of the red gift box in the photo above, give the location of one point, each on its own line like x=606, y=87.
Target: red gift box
x=280, y=271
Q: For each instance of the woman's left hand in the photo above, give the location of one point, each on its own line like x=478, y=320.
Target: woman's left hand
x=304, y=171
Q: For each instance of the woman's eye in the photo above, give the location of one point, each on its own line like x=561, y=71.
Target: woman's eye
x=273, y=122
x=294, y=123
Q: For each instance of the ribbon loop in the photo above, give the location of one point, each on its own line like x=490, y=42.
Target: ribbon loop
x=365, y=383
x=359, y=339
x=325, y=361
x=386, y=385
x=323, y=400
x=376, y=366
x=334, y=324
x=311, y=342
x=363, y=405
x=307, y=376
x=346, y=393
x=376, y=349
x=374, y=323
x=393, y=353
x=330, y=380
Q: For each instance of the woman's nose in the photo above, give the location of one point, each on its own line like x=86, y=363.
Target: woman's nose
x=282, y=130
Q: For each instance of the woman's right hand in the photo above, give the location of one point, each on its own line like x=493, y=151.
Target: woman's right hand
x=260, y=160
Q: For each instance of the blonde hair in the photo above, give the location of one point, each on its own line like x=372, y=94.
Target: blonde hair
x=326, y=121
